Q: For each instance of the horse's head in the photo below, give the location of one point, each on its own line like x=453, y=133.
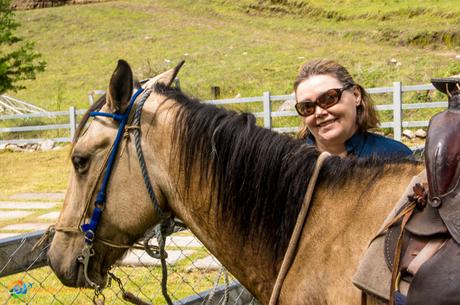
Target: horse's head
x=127, y=211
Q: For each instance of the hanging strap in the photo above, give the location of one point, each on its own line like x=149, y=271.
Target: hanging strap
x=289, y=256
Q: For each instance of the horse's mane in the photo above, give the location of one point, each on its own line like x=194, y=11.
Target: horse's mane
x=260, y=176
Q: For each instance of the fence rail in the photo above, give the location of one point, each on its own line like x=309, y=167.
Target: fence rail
x=397, y=106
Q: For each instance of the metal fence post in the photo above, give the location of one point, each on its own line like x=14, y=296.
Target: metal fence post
x=267, y=110
x=72, y=122
x=397, y=110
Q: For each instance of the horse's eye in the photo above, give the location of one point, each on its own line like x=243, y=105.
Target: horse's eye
x=80, y=163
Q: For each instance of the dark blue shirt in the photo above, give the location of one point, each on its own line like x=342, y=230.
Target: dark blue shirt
x=371, y=144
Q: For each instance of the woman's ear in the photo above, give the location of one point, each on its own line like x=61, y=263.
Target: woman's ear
x=358, y=95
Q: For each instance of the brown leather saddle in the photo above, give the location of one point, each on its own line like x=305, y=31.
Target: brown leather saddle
x=426, y=253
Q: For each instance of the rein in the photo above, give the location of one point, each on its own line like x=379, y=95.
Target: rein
x=292, y=247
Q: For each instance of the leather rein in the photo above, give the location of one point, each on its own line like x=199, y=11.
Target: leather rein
x=298, y=228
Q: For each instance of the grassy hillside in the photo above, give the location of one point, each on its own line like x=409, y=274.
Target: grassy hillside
x=245, y=47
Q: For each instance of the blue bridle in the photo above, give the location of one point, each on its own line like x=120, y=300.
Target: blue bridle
x=89, y=229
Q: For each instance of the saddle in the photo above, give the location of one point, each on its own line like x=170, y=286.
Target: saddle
x=421, y=242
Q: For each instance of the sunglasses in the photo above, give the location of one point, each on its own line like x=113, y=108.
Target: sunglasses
x=325, y=100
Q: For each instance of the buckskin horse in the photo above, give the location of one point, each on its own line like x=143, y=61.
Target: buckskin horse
x=238, y=187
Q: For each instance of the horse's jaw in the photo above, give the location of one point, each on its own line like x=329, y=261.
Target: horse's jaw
x=75, y=276
x=65, y=263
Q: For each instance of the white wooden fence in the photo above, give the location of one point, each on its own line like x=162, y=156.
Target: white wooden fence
x=397, y=106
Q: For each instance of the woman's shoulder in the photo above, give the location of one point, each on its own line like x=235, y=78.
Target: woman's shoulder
x=387, y=145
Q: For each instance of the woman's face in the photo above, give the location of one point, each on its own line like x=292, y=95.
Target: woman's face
x=335, y=125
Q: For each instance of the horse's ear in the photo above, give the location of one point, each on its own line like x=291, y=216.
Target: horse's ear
x=165, y=78
x=120, y=87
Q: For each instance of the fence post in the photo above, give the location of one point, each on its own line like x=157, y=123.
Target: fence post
x=397, y=110
x=177, y=83
x=267, y=110
x=91, y=98
x=72, y=122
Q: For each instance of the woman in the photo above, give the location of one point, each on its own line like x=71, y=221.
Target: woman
x=338, y=113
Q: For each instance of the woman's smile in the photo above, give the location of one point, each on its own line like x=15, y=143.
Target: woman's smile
x=326, y=123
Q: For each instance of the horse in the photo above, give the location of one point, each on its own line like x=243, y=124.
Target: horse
x=237, y=186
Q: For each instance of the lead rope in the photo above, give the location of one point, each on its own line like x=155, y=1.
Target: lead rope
x=140, y=156
x=165, y=219
x=289, y=256
x=224, y=271
x=127, y=296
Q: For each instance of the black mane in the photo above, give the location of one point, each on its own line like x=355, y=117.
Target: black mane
x=260, y=176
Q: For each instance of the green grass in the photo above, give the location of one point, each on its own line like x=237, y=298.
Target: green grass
x=241, y=46
x=245, y=47
x=33, y=171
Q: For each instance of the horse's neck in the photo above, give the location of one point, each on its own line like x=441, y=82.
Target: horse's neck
x=338, y=229
x=341, y=223
x=197, y=211
x=361, y=205
x=254, y=269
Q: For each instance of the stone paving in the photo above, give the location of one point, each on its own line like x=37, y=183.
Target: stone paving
x=207, y=263
x=32, y=212
x=27, y=205
x=28, y=226
x=141, y=258
x=29, y=211
x=50, y=216
x=4, y=215
x=38, y=196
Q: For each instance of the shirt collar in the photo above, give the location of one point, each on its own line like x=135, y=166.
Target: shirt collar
x=353, y=145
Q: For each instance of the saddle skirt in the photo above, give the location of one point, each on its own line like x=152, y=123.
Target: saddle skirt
x=429, y=268
x=420, y=239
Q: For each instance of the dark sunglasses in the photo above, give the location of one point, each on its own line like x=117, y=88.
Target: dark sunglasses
x=325, y=100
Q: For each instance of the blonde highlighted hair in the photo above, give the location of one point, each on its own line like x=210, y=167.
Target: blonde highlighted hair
x=366, y=114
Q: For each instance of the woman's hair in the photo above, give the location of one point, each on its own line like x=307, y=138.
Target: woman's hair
x=366, y=115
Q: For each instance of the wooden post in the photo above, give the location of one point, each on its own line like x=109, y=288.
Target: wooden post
x=267, y=110
x=215, y=92
x=397, y=110
x=91, y=98
x=177, y=83
x=72, y=122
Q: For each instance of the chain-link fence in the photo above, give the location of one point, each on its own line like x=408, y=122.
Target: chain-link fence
x=194, y=276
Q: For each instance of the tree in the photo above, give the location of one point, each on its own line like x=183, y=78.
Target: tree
x=18, y=60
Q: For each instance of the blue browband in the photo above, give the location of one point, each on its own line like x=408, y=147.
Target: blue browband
x=90, y=228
